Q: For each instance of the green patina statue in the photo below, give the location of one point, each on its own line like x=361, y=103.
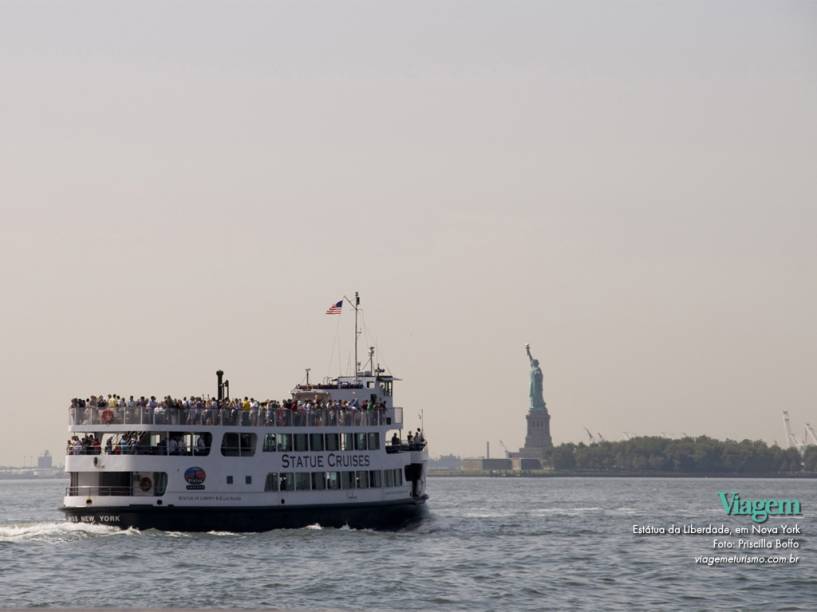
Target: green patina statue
x=537, y=400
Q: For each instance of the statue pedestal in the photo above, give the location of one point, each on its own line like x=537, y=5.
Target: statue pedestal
x=537, y=440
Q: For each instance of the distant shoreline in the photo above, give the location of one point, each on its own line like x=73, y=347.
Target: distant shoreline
x=583, y=474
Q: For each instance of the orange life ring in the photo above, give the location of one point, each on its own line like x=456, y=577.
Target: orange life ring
x=107, y=416
x=145, y=484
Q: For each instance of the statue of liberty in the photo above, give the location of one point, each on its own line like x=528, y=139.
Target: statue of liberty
x=537, y=400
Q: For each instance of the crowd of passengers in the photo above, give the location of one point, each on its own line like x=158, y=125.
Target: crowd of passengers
x=198, y=409
x=134, y=443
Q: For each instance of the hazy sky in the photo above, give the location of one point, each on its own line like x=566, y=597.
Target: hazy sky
x=631, y=187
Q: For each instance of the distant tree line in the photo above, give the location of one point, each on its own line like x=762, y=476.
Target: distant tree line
x=701, y=455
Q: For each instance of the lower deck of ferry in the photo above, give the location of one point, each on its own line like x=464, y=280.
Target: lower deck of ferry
x=382, y=515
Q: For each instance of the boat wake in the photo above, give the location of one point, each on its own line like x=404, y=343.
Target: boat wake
x=57, y=531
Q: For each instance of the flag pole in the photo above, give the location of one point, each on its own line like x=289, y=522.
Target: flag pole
x=356, y=306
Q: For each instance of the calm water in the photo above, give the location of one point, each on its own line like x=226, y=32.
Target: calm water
x=505, y=544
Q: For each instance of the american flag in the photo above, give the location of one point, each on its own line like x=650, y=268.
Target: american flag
x=335, y=308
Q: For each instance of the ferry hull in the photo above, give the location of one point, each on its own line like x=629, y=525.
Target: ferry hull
x=380, y=516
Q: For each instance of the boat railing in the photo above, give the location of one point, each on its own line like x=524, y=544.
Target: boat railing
x=144, y=415
x=136, y=449
x=89, y=490
x=404, y=447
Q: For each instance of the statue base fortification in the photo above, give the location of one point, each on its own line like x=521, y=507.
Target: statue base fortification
x=537, y=441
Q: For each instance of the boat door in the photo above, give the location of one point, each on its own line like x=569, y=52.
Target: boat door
x=347, y=483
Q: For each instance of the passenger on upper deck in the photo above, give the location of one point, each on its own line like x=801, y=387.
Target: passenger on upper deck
x=248, y=412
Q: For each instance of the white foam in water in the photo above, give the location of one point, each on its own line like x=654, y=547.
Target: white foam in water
x=223, y=533
x=44, y=531
x=315, y=526
x=565, y=511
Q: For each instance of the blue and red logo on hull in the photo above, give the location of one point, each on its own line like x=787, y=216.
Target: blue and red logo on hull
x=195, y=477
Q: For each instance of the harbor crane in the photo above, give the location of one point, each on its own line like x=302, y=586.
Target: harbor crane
x=811, y=434
x=590, y=435
x=507, y=452
x=790, y=437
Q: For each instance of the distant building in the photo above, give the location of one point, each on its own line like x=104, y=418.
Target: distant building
x=445, y=462
x=481, y=464
x=526, y=464
x=44, y=460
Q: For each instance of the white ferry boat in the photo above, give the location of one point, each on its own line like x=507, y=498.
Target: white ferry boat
x=332, y=454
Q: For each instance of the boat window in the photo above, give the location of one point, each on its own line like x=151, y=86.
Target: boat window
x=374, y=441
x=229, y=445
x=247, y=479
x=136, y=443
x=229, y=480
x=348, y=440
x=361, y=480
x=332, y=480
x=178, y=443
x=286, y=481
x=360, y=441
x=316, y=442
x=271, y=483
x=238, y=444
x=284, y=442
x=376, y=479
x=302, y=480
x=115, y=483
x=347, y=480
x=201, y=443
x=247, y=444
x=159, y=483
x=269, y=443
x=394, y=478
x=332, y=442
x=300, y=443
x=318, y=481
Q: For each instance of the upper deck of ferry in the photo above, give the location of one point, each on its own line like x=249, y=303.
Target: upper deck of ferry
x=361, y=401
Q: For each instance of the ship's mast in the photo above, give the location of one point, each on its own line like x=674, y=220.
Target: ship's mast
x=356, y=306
